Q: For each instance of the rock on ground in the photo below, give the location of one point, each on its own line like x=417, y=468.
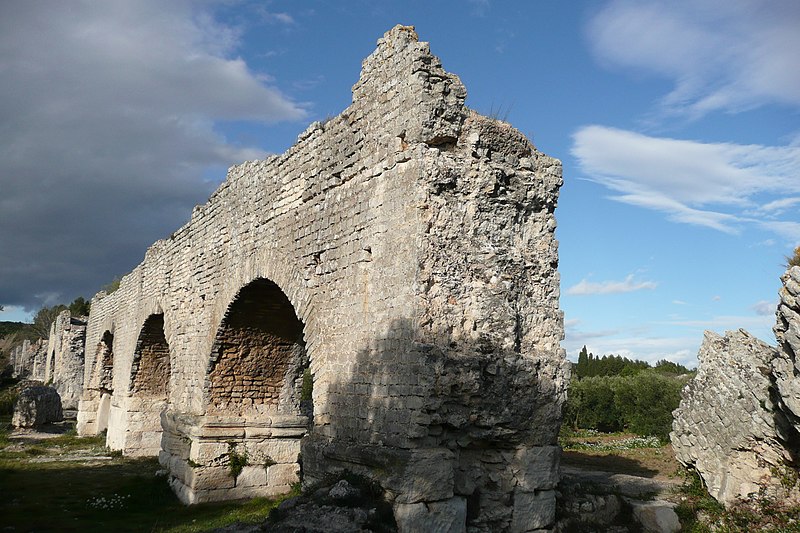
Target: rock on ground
x=36, y=406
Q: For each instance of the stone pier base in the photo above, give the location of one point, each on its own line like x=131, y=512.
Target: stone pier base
x=199, y=452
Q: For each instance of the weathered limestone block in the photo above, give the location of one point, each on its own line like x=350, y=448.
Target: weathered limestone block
x=533, y=510
x=448, y=516
x=656, y=516
x=36, y=406
x=283, y=474
x=728, y=426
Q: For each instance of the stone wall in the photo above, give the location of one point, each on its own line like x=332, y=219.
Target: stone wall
x=29, y=360
x=404, y=252
x=738, y=423
x=65, y=357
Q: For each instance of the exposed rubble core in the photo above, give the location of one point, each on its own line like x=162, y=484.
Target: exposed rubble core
x=737, y=423
x=403, y=252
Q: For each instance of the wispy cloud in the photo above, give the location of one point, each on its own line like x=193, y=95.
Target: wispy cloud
x=705, y=184
x=479, y=7
x=721, y=55
x=629, y=284
x=764, y=308
x=759, y=325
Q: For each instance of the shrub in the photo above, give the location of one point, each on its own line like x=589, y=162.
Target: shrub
x=641, y=403
x=793, y=260
x=236, y=460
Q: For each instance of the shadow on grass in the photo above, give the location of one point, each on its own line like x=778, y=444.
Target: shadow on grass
x=125, y=495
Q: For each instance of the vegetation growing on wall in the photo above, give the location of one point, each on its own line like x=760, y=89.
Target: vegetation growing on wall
x=793, y=260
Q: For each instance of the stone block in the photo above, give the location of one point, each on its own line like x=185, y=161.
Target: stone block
x=206, y=452
x=252, y=476
x=448, y=516
x=278, y=450
x=210, y=477
x=36, y=406
x=533, y=510
x=283, y=474
x=536, y=468
x=427, y=475
x=656, y=516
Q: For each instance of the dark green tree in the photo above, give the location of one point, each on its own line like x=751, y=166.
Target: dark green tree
x=79, y=307
x=582, y=367
x=668, y=367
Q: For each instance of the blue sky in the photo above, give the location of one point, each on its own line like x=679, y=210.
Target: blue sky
x=677, y=123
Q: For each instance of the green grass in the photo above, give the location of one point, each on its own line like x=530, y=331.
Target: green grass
x=113, y=494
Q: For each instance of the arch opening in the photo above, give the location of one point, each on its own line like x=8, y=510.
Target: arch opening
x=258, y=357
x=104, y=378
x=148, y=389
x=150, y=370
x=256, y=405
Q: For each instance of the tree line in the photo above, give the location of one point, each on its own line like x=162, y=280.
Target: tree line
x=614, y=365
x=613, y=393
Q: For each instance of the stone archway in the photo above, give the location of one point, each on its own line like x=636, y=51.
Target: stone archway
x=148, y=389
x=103, y=379
x=258, y=355
x=255, y=411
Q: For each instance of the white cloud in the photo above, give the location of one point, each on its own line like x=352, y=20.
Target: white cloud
x=765, y=308
x=777, y=207
x=585, y=287
x=730, y=55
x=651, y=348
x=109, y=127
x=758, y=325
x=705, y=184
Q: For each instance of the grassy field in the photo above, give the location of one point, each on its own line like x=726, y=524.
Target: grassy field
x=68, y=483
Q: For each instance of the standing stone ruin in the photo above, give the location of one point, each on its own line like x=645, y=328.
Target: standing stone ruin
x=402, y=255
x=65, y=358
x=29, y=360
x=738, y=423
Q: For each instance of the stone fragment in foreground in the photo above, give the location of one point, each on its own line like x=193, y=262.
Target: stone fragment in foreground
x=37, y=406
x=730, y=427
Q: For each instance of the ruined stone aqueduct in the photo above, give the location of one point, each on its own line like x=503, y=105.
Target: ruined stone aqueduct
x=401, y=255
x=383, y=298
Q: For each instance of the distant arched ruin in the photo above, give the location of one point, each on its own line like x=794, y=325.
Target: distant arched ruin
x=404, y=253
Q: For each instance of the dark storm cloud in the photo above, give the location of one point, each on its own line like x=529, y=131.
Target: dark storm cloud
x=107, y=113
